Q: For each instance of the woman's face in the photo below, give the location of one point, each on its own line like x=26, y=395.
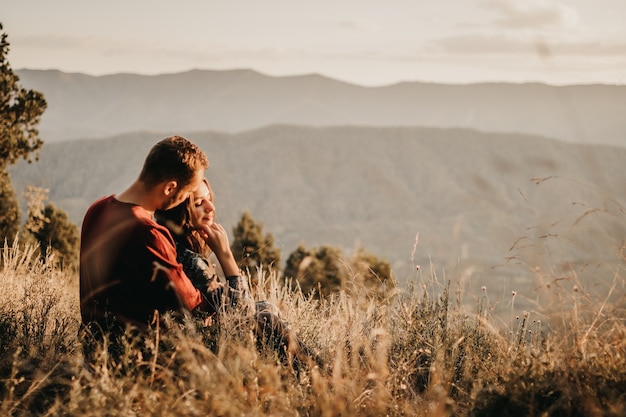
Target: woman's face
x=202, y=208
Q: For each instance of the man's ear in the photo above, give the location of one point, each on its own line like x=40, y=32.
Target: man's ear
x=170, y=187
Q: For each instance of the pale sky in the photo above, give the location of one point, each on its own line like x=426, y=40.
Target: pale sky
x=366, y=42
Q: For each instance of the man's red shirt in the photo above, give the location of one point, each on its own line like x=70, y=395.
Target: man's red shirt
x=128, y=267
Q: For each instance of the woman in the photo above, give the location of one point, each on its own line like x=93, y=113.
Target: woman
x=197, y=234
x=195, y=231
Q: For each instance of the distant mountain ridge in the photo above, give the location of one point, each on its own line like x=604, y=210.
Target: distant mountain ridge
x=474, y=199
x=86, y=107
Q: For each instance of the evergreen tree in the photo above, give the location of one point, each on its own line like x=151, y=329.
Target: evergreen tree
x=323, y=271
x=317, y=270
x=50, y=229
x=9, y=210
x=332, y=273
x=251, y=248
x=20, y=112
x=372, y=275
x=59, y=237
x=293, y=264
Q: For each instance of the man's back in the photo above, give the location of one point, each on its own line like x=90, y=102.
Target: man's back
x=128, y=267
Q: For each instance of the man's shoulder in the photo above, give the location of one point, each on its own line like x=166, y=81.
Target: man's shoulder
x=102, y=201
x=109, y=212
x=113, y=207
x=97, y=208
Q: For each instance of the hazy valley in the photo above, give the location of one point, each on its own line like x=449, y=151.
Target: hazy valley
x=476, y=200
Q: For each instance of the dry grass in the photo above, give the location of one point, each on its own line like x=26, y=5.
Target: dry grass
x=415, y=353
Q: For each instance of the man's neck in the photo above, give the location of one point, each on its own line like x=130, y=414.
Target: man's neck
x=139, y=195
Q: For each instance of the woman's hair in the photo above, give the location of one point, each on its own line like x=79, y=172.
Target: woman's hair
x=173, y=158
x=178, y=221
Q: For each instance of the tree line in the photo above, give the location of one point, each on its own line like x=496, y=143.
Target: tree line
x=319, y=272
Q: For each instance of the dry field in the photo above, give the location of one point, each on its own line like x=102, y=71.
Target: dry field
x=418, y=352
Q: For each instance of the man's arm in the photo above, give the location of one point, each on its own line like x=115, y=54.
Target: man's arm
x=163, y=252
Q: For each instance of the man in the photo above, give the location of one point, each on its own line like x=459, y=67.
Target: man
x=128, y=267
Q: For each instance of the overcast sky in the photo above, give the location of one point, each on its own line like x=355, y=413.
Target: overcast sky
x=366, y=42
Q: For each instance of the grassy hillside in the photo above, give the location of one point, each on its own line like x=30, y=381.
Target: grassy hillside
x=492, y=204
x=416, y=353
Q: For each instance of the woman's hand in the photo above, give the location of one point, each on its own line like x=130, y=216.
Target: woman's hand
x=216, y=237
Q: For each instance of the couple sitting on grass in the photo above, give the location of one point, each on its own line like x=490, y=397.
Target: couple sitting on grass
x=145, y=252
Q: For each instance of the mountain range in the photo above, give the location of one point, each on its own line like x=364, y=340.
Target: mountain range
x=83, y=106
x=494, y=181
